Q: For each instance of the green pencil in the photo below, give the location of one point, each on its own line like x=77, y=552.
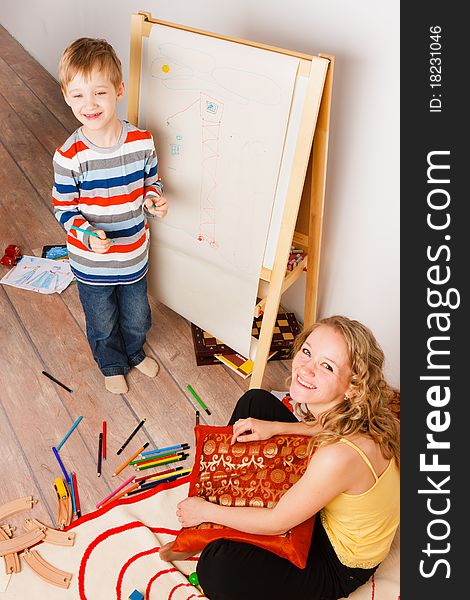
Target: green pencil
x=198, y=399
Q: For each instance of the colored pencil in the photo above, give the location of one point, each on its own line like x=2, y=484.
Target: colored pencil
x=103, y=453
x=198, y=399
x=87, y=232
x=150, y=485
x=147, y=459
x=124, y=464
x=68, y=433
x=131, y=436
x=183, y=446
x=163, y=476
x=122, y=493
x=100, y=452
x=162, y=462
x=117, y=490
x=61, y=464
x=57, y=381
x=150, y=476
x=74, y=506
x=77, y=498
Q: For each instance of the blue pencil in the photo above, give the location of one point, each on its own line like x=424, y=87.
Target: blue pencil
x=87, y=232
x=68, y=433
x=184, y=446
x=61, y=464
x=74, y=508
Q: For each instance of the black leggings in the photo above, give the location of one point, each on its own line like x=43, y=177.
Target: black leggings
x=230, y=570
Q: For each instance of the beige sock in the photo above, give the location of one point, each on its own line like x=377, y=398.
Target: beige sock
x=148, y=367
x=116, y=384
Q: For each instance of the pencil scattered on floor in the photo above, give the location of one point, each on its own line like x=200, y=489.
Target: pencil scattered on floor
x=100, y=452
x=124, y=464
x=57, y=381
x=103, y=450
x=68, y=433
x=131, y=436
x=198, y=399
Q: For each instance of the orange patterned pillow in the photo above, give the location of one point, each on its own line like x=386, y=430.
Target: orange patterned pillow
x=247, y=474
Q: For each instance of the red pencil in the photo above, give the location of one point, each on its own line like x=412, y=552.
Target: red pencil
x=77, y=499
x=103, y=449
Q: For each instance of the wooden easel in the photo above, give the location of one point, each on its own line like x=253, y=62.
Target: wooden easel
x=303, y=213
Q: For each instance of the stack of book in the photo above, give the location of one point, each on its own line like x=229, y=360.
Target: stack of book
x=210, y=351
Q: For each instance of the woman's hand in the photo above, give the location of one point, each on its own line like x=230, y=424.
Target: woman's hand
x=192, y=511
x=250, y=430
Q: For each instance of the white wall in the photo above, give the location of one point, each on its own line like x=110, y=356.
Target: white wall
x=360, y=252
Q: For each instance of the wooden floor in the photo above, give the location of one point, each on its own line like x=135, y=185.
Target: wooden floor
x=46, y=332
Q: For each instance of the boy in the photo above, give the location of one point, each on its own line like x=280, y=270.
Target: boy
x=106, y=184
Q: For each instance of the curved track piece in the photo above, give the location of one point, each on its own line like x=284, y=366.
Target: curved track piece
x=12, y=561
x=53, y=536
x=20, y=542
x=45, y=570
x=15, y=506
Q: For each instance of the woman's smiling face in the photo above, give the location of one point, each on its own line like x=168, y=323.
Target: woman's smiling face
x=321, y=371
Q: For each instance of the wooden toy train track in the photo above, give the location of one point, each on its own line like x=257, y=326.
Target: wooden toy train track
x=12, y=547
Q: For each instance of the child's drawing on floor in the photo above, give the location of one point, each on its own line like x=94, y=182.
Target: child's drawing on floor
x=42, y=275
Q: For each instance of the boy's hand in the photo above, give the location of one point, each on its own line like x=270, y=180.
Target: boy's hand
x=158, y=207
x=100, y=245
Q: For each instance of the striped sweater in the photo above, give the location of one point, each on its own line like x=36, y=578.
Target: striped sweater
x=105, y=188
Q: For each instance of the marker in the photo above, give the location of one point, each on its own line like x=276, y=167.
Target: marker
x=124, y=465
x=57, y=381
x=77, y=498
x=61, y=464
x=198, y=399
x=100, y=452
x=103, y=452
x=87, y=232
x=183, y=446
x=68, y=433
x=131, y=436
x=118, y=489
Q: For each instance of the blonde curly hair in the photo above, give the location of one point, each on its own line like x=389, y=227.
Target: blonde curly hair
x=367, y=408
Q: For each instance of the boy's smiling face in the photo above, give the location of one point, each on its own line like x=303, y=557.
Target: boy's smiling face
x=93, y=101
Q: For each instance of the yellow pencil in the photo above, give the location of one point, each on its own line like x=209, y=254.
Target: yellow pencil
x=124, y=465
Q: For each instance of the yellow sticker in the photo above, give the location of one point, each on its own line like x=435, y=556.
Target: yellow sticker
x=165, y=68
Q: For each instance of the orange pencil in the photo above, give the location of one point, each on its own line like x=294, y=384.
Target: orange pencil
x=124, y=465
x=122, y=493
x=103, y=449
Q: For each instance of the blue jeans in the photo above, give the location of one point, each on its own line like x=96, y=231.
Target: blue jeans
x=117, y=321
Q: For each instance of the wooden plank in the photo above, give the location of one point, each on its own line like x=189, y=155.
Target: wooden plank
x=39, y=81
x=34, y=114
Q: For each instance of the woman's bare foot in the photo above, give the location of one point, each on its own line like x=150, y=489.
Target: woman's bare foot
x=167, y=554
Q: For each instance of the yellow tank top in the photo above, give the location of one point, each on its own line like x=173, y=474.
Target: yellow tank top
x=361, y=527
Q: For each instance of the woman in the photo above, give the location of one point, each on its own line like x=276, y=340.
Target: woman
x=352, y=479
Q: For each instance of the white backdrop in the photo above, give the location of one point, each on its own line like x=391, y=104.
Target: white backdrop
x=359, y=273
